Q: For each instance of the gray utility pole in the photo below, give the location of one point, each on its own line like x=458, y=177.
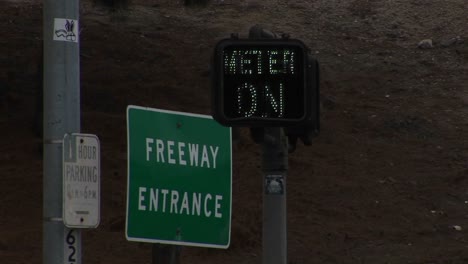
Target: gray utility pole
x=275, y=166
x=61, y=115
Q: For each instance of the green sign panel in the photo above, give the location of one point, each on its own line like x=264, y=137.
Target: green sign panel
x=179, y=178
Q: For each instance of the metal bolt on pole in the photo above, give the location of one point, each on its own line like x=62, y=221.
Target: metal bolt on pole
x=61, y=115
x=275, y=166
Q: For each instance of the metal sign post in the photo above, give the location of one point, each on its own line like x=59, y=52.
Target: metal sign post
x=61, y=115
x=275, y=166
x=165, y=254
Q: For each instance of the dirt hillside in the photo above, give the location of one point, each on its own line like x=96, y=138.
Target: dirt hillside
x=386, y=181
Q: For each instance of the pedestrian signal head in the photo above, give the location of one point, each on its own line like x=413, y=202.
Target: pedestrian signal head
x=261, y=82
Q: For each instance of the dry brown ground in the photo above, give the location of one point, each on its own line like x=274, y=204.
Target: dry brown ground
x=385, y=182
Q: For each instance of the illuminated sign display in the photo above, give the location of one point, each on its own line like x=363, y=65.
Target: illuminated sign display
x=260, y=82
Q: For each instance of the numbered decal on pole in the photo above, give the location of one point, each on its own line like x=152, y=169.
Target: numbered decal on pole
x=71, y=247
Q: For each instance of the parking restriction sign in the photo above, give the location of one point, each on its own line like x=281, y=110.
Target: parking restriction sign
x=81, y=180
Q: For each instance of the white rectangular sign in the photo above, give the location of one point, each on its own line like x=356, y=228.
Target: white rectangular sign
x=66, y=30
x=81, y=180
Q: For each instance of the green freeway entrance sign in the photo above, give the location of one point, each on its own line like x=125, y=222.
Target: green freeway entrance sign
x=179, y=178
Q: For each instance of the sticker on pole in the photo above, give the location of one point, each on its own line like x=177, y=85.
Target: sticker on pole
x=66, y=29
x=81, y=180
